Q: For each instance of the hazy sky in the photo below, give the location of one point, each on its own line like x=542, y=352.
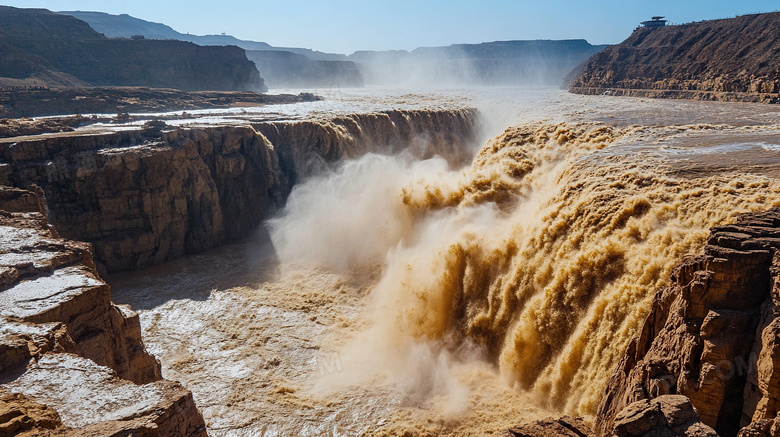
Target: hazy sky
x=344, y=26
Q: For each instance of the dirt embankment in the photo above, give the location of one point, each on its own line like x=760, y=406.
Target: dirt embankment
x=732, y=59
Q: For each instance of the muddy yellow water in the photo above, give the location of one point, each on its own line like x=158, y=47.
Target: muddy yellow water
x=394, y=295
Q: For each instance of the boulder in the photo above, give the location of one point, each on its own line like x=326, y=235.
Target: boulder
x=565, y=427
x=667, y=415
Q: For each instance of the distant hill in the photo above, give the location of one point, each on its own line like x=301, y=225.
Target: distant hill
x=539, y=62
x=698, y=60
x=290, y=70
x=40, y=43
x=125, y=26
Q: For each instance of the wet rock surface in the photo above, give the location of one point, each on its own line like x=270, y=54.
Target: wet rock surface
x=46, y=280
x=92, y=400
x=711, y=336
x=70, y=358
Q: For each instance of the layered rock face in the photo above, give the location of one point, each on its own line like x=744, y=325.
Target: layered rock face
x=147, y=196
x=668, y=415
x=711, y=336
x=731, y=59
x=65, y=348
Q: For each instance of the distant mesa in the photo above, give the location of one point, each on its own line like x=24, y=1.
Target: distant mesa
x=37, y=45
x=492, y=63
x=734, y=59
x=283, y=69
x=534, y=62
x=125, y=26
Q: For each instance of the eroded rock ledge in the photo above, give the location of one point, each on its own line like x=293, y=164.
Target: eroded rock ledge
x=72, y=362
x=146, y=196
x=713, y=337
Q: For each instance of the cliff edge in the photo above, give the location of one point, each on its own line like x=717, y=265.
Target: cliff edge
x=732, y=59
x=71, y=362
x=712, y=337
x=152, y=194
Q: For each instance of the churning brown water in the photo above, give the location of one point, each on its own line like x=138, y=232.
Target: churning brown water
x=407, y=296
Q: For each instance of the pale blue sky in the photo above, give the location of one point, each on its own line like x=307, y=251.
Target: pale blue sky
x=343, y=26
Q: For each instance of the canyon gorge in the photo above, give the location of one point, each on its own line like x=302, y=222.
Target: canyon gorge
x=512, y=238
x=419, y=271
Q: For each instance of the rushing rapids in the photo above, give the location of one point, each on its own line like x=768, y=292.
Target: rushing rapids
x=410, y=295
x=545, y=260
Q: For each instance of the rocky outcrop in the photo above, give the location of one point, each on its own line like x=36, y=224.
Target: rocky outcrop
x=730, y=59
x=18, y=414
x=36, y=40
x=147, y=196
x=19, y=127
x=564, y=427
x=668, y=415
x=711, y=336
x=70, y=360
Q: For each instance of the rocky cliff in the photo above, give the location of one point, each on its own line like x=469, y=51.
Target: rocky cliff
x=711, y=336
x=34, y=41
x=146, y=196
x=730, y=59
x=64, y=345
